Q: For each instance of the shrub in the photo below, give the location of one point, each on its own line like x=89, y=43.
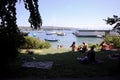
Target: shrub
x=96, y=45
x=45, y=44
x=114, y=39
x=34, y=43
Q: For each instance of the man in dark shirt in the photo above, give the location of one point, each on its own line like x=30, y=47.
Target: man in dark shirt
x=91, y=55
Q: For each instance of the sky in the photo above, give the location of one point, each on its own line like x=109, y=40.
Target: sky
x=83, y=14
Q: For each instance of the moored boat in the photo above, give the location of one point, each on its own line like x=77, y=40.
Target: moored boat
x=60, y=33
x=87, y=34
x=51, y=33
x=52, y=40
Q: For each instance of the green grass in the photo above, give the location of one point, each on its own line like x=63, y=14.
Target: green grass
x=65, y=65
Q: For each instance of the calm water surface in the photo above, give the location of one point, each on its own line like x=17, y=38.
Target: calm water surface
x=66, y=40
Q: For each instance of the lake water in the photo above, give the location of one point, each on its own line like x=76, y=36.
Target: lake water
x=66, y=40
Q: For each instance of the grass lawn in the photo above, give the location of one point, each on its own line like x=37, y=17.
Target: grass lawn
x=65, y=65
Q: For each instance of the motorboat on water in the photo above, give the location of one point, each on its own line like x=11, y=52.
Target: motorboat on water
x=60, y=33
x=87, y=34
x=100, y=36
x=51, y=33
x=51, y=39
x=82, y=35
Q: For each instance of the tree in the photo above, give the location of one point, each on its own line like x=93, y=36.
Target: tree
x=35, y=18
x=115, y=20
x=10, y=35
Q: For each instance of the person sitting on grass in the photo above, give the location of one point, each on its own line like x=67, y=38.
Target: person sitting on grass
x=90, y=56
x=73, y=46
x=83, y=48
x=79, y=48
x=29, y=51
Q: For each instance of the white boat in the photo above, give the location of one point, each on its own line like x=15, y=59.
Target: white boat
x=51, y=33
x=100, y=36
x=89, y=34
x=60, y=33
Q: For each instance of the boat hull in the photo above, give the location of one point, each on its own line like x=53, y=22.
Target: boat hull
x=77, y=34
x=51, y=40
x=87, y=36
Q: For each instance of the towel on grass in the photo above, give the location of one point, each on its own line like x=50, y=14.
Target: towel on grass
x=41, y=65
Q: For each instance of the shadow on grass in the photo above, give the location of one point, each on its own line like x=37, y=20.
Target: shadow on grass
x=64, y=65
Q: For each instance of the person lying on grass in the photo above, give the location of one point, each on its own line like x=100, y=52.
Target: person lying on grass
x=105, y=46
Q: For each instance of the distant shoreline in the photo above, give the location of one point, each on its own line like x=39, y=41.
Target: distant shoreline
x=28, y=28
x=46, y=28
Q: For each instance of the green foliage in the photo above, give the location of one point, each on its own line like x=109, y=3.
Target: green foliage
x=34, y=43
x=114, y=39
x=108, y=38
x=114, y=20
x=10, y=36
x=97, y=46
x=45, y=44
x=35, y=18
